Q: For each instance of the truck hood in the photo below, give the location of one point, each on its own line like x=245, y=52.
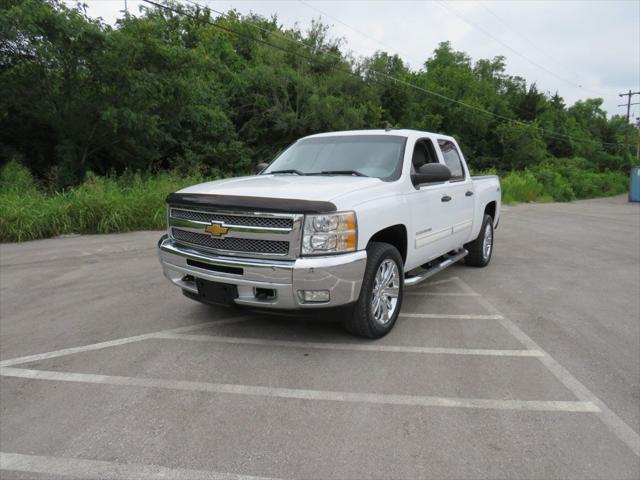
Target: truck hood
x=295, y=187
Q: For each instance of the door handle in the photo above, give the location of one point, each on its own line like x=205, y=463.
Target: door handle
x=468, y=194
x=446, y=198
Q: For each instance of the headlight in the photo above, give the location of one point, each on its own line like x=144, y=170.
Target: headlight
x=332, y=233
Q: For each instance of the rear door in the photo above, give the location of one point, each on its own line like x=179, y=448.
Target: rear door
x=459, y=200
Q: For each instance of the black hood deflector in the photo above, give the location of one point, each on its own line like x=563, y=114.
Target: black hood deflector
x=257, y=204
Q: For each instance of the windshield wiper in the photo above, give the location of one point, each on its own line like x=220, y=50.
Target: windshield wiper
x=342, y=172
x=324, y=172
x=291, y=170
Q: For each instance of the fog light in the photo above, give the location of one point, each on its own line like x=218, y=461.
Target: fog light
x=314, y=296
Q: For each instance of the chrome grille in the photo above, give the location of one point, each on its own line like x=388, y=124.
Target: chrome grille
x=251, y=221
x=232, y=244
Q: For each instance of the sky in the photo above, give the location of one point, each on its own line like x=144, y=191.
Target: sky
x=581, y=49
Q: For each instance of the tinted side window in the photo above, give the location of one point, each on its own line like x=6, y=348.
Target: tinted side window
x=452, y=159
x=423, y=153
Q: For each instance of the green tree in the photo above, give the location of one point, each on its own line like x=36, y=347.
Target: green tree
x=522, y=146
x=195, y=91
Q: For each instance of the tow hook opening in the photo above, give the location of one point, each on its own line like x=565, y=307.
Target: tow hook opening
x=265, y=294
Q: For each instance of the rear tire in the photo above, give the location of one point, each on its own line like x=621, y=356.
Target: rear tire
x=378, y=306
x=481, y=249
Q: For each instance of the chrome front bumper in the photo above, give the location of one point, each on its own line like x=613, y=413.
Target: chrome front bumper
x=341, y=275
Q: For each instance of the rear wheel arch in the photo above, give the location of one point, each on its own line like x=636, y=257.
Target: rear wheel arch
x=490, y=209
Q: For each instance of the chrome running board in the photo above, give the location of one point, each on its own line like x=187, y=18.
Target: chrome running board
x=424, y=274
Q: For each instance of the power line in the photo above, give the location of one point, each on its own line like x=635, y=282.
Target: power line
x=529, y=41
x=398, y=52
x=359, y=32
x=403, y=82
x=559, y=136
x=496, y=39
x=519, y=109
x=382, y=74
x=341, y=59
x=265, y=30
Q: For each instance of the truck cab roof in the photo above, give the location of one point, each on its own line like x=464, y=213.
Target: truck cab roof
x=404, y=132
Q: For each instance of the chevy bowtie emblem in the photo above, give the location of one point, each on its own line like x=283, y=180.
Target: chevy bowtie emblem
x=216, y=230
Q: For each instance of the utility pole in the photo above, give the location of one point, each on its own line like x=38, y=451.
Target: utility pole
x=638, y=145
x=626, y=130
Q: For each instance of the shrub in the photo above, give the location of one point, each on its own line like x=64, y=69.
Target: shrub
x=590, y=184
x=521, y=187
x=15, y=177
x=555, y=186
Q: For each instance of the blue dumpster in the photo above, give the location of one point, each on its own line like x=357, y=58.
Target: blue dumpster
x=634, y=188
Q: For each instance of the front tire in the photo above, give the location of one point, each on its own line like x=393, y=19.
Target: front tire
x=378, y=306
x=481, y=249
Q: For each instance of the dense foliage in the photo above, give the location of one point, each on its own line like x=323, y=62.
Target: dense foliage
x=135, y=201
x=163, y=90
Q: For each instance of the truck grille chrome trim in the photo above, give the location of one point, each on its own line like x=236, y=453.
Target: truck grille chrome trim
x=237, y=233
x=232, y=244
x=229, y=219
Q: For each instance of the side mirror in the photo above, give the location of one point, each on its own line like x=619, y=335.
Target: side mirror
x=431, y=173
x=260, y=167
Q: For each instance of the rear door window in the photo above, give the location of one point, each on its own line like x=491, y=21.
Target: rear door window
x=452, y=159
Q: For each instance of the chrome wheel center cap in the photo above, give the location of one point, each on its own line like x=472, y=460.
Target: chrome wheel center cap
x=386, y=288
x=487, y=244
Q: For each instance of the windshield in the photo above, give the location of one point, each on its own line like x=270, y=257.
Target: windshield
x=363, y=155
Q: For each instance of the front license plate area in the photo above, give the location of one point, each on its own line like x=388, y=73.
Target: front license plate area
x=214, y=292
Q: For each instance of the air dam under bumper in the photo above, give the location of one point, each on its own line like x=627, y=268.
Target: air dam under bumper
x=340, y=275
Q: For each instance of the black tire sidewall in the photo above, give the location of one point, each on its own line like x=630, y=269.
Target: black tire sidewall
x=475, y=248
x=487, y=221
x=366, y=325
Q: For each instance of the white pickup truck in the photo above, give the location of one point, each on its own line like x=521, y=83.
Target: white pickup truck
x=342, y=219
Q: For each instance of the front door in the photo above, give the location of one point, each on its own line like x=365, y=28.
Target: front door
x=431, y=229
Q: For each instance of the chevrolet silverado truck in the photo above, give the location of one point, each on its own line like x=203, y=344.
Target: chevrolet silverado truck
x=343, y=219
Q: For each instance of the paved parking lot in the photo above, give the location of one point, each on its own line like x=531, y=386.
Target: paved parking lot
x=527, y=369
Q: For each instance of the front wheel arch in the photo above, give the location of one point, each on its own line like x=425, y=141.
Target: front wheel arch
x=395, y=235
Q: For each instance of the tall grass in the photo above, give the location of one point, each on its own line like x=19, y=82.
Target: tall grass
x=135, y=201
x=99, y=205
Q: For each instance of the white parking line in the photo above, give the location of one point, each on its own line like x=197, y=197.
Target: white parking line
x=623, y=431
x=304, y=394
x=440, y=294
x=349, y=346
x=146, y=336
x=111, y=343
x=587, y=401
x=99, y=469
x=446, y=315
